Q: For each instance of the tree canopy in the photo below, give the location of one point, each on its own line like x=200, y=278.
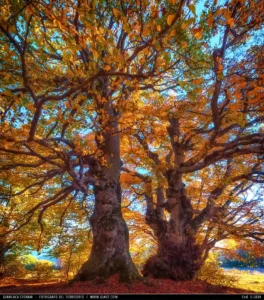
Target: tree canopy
x=169, y=94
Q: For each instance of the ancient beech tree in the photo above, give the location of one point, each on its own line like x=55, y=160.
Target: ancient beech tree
x=69, y=70
x=202, y=148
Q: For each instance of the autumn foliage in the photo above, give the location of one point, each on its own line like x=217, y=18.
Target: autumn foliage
x=131, y=132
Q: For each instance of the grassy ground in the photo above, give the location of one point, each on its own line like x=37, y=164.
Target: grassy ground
x=243, y=279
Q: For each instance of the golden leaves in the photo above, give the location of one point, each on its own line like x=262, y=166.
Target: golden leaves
x=101, y=99
x=198, y=81
x=116, y=12
x=184, y=45
x=192, y=8
x=107, y=68
x=231, y=22
x=129, y=179
x=7, y=93
x=170, y=19
x=243, y=85
x=198, y=33
x=95, y=53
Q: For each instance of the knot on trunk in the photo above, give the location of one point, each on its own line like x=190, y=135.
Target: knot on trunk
x=168, y=206
x=172, y=192
x=150, y=217
x=109, y=228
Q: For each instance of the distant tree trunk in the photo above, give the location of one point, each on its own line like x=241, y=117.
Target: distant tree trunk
x=2, y=258
x=4, y=248
x=110, y=250
x=69, y=263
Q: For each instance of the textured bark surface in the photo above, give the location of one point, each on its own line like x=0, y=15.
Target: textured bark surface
x=110, y=251
x=174, y=261
x=178, y=257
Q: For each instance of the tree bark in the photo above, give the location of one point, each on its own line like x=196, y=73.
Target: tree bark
x=178, y=256
x=110, y=250
x=2, y=258
x=177, y=261
x=4, y=248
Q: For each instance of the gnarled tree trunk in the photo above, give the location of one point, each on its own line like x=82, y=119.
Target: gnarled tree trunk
x=110, y=250
x=178, y=257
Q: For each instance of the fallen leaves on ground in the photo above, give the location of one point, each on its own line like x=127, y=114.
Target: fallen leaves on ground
x=113, y=286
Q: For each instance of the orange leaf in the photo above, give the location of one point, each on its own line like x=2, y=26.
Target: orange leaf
x=198, y=34
x=231, y=22
x=115, y=12
x=170, y=19
x=107, y=68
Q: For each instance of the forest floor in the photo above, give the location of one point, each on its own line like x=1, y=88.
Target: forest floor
x=113, y=286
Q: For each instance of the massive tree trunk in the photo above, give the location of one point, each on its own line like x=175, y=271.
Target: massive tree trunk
x=178, y=257
x=110, y=250
x=177, y=261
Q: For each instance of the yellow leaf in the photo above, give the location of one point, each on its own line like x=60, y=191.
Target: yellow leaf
x=170, y=19
x=182, y=84
x=158, y=28
x=231, y=22
x=107, y=68
x=198, y=81
x=95, y=53
x=7, y=76
x=7, y=93
x=184, y=25
x=198, y=34
x=184, y=45
x=119, y=58
x=192, y=9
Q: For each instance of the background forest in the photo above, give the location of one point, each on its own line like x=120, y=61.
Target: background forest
x=131, y=138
